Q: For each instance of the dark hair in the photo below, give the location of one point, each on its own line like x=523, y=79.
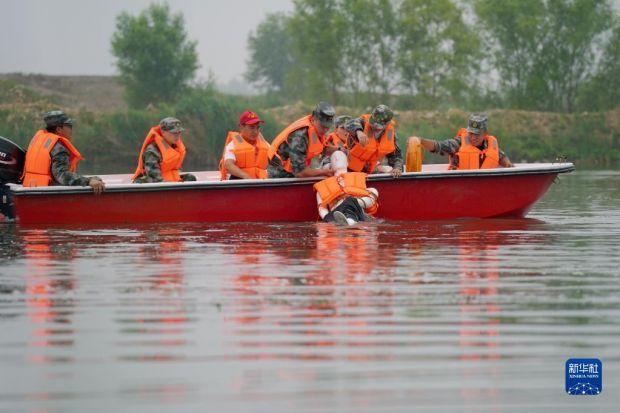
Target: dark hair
x=51, y=129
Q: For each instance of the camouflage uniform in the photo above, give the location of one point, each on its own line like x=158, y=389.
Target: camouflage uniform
x=381, y=114
x=61, y=174
x=152, y=158
x=452, y=146
x=295, y=149
x=152, y=170
x=60, y=157
x=477, y=124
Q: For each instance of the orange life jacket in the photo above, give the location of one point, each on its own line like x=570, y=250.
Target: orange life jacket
x=334, y=188
x=368, y=156
x=171, y=158
x=252, y=159
x=37, y=168
x=315, y=143
x=470, y=157
x=334, y=140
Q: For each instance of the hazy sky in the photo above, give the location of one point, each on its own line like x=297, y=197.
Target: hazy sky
x=73, y=36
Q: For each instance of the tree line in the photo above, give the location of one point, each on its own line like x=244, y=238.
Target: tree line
x=546, y=55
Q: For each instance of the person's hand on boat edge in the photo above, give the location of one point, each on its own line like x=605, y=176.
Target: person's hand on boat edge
x=97, y=185
x=396, y=172
x=505, y=162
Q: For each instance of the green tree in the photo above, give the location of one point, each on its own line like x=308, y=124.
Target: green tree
x=316, y=31
x=368, y=47
x=603, y=91
x=576, y=29
x=513, y=31
x=438, y=53
x=154, y=56
x=544, y=51
x=270, y=53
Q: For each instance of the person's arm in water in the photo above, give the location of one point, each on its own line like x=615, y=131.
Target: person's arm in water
x=368, y=202
x=322, y=210
x=60, y=171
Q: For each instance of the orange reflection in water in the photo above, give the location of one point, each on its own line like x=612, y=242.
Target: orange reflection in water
x=480, y=265
x=47, y=287
x=479, y=275
x=336, y=289
x=319, y=295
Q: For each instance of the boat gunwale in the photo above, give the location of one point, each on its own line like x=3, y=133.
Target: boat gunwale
x=524, y=169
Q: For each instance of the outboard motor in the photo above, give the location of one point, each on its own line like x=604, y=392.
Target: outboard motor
x=12, y=159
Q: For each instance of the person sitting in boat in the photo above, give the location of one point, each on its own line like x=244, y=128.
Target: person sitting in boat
x=52, y=159
x=162, y=154
x=291, y=152
x=471, y=148
x=344, y=197
x=246, y=152
x=338, y=140
x=375, y=138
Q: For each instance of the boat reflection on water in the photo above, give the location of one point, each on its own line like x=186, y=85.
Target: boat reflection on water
x=387, y=302
x=381, y=292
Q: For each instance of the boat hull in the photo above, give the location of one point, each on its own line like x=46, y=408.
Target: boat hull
x=429, y=195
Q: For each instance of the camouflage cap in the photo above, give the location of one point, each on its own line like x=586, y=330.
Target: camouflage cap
x=477, y=123
x=55, y=118
x=340, y=121
x=352, y=126
x=170, y=124
x=324, y=113
x=381, y=115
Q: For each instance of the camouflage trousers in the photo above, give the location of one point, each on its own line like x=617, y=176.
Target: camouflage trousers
x=278, y=172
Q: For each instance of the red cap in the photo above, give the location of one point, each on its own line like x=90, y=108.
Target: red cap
x=249, y=118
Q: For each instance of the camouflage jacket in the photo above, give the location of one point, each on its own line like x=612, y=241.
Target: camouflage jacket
x=394, y=159
x=294, y=148
x=152, y=169
x=61, y=175
x=151, y=158
x=451, y=146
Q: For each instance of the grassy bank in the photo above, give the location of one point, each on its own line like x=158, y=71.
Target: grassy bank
x=110, y=138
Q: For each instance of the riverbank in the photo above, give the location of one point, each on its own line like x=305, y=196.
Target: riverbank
x=109, y=134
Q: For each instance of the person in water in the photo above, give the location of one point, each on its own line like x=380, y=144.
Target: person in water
x=344, y=197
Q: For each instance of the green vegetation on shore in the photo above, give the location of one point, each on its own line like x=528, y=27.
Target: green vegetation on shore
x=110, y=140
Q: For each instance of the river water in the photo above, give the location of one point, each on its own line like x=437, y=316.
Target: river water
x=469, y=315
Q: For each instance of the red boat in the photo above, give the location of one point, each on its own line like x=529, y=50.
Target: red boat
x=433, y=193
